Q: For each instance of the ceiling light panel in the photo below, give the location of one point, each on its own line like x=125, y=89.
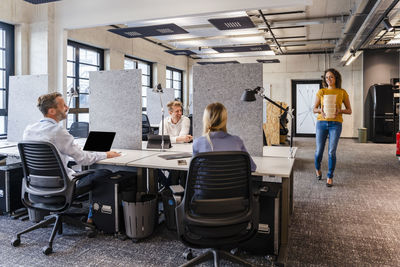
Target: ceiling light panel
x=268, y=60
x=248, y=48
x=235, y=23
x=180, y=52
x=218, y=62
x=146, y=31
x=36, y=2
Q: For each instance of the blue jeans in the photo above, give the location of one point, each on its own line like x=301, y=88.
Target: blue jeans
x=324, y=129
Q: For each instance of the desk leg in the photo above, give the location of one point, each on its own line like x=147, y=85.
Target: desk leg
x=152, y=181
x=291, y=193
x=141, y=180
x=285, y=210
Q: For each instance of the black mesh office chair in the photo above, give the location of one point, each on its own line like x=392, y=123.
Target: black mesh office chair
x=218, y=209
x=47, y=187
x=79, y=129
x=146, y=128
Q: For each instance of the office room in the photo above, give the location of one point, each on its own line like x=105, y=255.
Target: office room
x=117, y=64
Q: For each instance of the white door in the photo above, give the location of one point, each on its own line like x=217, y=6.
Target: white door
x=305, y=119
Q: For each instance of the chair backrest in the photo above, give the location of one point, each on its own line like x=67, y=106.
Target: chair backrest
x=219, y=207
x=146, y=128
x=79, y=129
x=46, y=185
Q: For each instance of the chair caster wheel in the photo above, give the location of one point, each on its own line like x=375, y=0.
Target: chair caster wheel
x=188, y=255
x=16, y=242
x=235, y=251
x=47, y=250
x=91, y=234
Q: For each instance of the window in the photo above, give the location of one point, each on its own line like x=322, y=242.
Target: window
x=174, y=80
x=147, y=75
x=80, y=60
x=6, y=70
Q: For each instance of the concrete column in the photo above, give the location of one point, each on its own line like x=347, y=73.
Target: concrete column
x=113, y=60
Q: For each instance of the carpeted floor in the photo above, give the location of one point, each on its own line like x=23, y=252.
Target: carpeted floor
x=354, y=223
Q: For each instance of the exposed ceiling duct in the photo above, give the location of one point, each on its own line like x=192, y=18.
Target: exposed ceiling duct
x=362, y=26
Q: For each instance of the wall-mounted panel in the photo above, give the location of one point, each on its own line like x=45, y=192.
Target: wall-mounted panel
x=116, y=106
x=154, y=104
x=226, y=84
x=22, y=103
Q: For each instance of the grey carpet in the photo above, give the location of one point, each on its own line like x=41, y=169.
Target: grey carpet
x=354, y=223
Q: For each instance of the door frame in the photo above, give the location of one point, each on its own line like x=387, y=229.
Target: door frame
x=294, y=99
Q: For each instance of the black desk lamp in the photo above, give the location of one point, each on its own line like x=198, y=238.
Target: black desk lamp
x=72, y=93
x=249, y=95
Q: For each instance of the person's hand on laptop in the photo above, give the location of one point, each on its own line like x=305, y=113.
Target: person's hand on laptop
x=112, y=154
x=184, y=138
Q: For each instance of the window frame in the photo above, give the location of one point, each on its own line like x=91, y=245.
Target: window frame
x=172, y=80
x=150, y=77
x=77, y=110
x=9, y=61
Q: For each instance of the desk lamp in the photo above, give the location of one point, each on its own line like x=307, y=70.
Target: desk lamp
x=72, y=93
x=249, y=95
x=159, y=90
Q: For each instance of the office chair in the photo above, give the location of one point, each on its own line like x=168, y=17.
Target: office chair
x=79, y=129
x=218, y=209
x=146, y=128
x=47, y=187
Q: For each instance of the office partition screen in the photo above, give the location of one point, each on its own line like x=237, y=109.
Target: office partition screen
x=225, y=84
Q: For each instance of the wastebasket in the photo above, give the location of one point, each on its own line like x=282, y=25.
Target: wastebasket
x=362, y=135
x=140, y=216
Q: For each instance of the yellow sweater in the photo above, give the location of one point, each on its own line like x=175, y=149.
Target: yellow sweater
x=341, y=96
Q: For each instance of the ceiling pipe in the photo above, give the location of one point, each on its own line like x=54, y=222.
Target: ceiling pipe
x=269, y=29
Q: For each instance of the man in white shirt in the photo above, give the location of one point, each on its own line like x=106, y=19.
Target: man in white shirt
x=176, y=125
x=48, y=129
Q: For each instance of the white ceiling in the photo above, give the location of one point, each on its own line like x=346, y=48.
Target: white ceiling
x=299, y=26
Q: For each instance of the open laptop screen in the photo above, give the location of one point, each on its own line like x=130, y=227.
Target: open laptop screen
x=99, y=141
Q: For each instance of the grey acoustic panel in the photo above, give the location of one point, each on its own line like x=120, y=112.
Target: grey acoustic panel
x=232, y=23
x=153, y=30
x=225, y=84
x=22, y=110
x=116, y=105
x=154, y=105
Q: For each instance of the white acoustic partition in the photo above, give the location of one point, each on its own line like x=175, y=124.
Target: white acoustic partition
x=22, y=103
x=154, y=106
x=116, y=106
x=225, y=84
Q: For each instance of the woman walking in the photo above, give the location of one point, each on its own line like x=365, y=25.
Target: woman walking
x=328, y=104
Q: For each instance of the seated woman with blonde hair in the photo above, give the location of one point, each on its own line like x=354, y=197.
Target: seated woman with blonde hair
x=215, y=136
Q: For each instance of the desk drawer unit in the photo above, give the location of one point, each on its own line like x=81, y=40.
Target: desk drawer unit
x=10, y=187
x=267, y=239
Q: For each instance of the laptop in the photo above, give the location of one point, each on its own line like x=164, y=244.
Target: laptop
x=154, y=141
x=99, y=141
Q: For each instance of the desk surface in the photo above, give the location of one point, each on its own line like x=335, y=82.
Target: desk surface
x=127, y=156
x=278, y=151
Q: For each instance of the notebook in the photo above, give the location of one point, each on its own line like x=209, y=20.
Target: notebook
x=99, y=141
x=154, y=141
